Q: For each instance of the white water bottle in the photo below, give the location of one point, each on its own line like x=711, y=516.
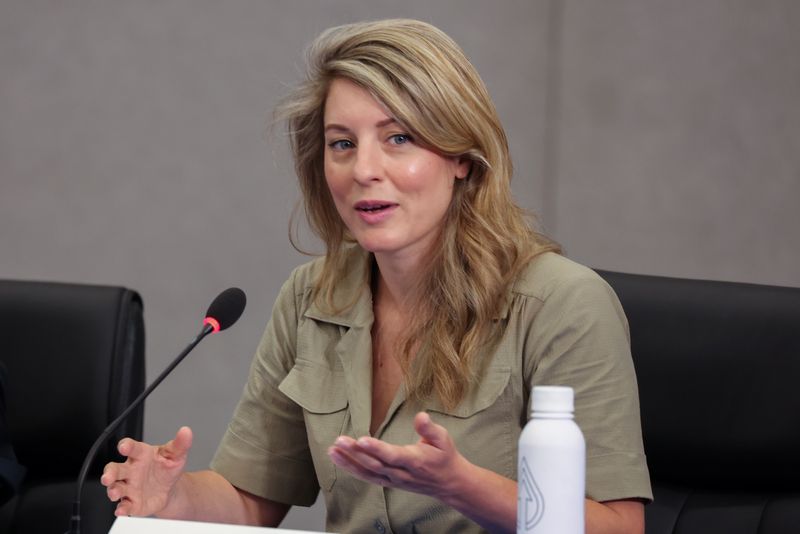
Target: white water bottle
x=551, y=476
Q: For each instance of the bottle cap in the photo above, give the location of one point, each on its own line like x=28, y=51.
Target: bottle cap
x=553, y=399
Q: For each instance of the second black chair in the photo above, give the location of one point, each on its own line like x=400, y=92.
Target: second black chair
x=718, y=365
x=75, y=359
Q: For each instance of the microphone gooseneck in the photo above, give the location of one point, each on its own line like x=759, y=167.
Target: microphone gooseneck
x=222, y=313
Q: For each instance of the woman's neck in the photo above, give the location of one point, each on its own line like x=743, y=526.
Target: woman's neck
x=395, y=281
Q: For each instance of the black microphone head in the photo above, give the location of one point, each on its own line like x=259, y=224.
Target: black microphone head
x=226, y=309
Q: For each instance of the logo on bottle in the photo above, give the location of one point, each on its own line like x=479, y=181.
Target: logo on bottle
x=530, y=501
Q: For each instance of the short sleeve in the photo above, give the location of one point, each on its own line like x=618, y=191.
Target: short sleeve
x=579, y=338
x=265, y=448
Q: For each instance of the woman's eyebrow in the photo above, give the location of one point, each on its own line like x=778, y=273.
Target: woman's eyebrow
x=336, y=127
x=386, y=122
x=341, y=128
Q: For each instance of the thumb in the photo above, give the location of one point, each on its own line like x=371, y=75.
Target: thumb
x=178, y=447
x=430, y=432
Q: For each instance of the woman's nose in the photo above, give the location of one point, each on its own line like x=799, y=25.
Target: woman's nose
x=367, y=166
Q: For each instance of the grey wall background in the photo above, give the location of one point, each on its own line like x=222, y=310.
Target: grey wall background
x=135, y=149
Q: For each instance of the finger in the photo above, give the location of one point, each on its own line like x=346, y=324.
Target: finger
x=179, y=446
x=372, y=470
x=343, y=460
x=130, y=448
x=345, y=441
x=430, y=432
x=114, y=473
x=388, y=454
x=110, y=474
x=374, y=453
x=124, y=508
x=356, y=454
x=116, y=491
x=395, y=463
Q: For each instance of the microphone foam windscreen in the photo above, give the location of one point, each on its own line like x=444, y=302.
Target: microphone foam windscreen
x=227, y=307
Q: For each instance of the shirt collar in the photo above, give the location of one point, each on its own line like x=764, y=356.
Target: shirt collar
x=502, y=313
x=354, y=282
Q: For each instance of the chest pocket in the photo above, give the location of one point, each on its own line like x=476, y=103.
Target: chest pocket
x=320, y=391
x=484, y=395
x=485, y=424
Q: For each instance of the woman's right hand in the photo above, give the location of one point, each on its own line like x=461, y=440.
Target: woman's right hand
x=144, y=484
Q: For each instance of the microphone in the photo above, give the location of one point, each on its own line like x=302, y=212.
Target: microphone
x=224, y=310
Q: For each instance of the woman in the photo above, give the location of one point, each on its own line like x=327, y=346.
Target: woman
x=395, y=372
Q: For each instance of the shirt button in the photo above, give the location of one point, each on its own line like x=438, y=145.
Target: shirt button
x=379, y=526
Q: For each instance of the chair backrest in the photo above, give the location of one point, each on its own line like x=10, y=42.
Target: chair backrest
x=74, y=356
x=718, y=366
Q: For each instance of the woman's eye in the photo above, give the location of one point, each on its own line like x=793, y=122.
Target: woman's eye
x=399, y=139
x=341, y=144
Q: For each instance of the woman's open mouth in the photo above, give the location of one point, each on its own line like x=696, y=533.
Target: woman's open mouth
x=374, y=211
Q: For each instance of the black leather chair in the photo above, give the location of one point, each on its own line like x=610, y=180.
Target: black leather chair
x=74, y=356
x=718, y=366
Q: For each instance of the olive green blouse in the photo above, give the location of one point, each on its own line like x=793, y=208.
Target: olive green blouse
x=311, y=381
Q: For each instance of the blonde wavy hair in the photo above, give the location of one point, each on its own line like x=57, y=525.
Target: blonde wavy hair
x=429, y=86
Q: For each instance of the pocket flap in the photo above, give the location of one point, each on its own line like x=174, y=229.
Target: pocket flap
x=315, y=387
x=491, y=386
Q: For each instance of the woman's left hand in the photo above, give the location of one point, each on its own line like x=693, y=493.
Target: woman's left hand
x=429, y=466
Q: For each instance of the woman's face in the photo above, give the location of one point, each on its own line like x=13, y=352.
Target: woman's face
x=390, y=192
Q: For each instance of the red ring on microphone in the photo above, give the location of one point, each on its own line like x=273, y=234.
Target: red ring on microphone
x=213, y=322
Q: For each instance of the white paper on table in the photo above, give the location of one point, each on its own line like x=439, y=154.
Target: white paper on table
x=148, y=525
